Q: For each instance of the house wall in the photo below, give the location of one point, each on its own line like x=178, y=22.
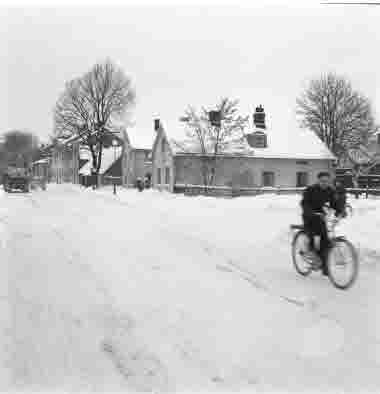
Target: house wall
x=162, y=162
x=41, y=170
x=374, y=144
x=135, y=165
x=65, y=164
x=134, y=162
x=248, y=172
x=140, y=159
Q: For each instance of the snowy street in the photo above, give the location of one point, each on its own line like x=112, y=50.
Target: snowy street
x=156, y=291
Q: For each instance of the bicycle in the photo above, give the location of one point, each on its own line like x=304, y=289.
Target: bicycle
x=336, y=260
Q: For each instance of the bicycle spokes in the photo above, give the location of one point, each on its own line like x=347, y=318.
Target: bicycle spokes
x=343, y=264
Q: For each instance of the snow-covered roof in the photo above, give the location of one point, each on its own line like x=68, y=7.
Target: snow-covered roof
x=67, y=140
x=108, y=158
x=141, y=138
x=84, y=153
x=284, y=144
x=41, y=161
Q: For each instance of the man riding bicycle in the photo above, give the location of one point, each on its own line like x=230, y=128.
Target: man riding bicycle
x=315, y=198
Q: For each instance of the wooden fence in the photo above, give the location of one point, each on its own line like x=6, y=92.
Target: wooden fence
x=104, y=180
x=229, y=192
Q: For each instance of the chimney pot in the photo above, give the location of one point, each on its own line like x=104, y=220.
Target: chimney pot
x=259, y=118
x=156, y=124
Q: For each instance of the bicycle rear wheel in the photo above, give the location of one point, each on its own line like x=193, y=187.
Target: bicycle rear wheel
x=342, y=263
x=300, y=245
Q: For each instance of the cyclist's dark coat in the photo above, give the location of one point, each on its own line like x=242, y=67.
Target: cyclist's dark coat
x=313, y=201
x=315, y=198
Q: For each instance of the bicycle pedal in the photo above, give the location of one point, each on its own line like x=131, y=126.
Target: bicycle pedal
x=314, y=260
x=316, y=264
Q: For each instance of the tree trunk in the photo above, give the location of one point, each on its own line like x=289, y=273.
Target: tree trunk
x=99, y=165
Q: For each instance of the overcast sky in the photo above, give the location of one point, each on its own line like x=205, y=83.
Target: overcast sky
x=179, y=56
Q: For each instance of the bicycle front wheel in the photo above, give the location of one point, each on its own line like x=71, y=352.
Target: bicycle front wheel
x=300, y=245
x=342, y=263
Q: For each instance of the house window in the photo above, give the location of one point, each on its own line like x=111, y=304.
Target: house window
x=167, y=176
x=268, y=179
x=302, y=179
x=159, y=176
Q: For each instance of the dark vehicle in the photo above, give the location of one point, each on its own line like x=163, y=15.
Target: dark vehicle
x=16, y=178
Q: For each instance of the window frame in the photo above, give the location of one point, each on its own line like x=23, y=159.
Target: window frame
x=159, y=176
x=167, y=176
x=301, y=173
x=273, y=178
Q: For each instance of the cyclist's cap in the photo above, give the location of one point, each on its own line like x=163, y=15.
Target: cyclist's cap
x=324, y=174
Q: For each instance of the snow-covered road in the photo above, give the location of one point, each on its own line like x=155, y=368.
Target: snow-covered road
x=152, y=291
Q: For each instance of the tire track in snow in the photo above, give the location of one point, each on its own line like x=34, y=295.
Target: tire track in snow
x=229, y=264
x=324, y=321
x=208, y=247
x=139, y=367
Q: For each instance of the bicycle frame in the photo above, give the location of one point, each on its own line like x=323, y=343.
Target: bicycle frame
x=331, y=223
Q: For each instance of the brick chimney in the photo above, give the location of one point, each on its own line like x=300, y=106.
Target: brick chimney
x=258, y=138
x=259, y=118
x=157, y=124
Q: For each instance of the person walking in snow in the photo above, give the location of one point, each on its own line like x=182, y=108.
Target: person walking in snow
x=140, y=185
x=341, y=196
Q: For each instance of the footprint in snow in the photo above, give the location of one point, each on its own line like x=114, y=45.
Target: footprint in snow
x=144, y=371
x=223, y=268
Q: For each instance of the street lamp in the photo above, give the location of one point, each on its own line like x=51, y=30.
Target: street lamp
x=115, y=144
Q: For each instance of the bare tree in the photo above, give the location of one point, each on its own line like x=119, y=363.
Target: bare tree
x=339, y=115
x=91, y=104
x=209, y=140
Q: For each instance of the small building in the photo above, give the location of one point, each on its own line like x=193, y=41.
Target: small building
x=137, y=160
x=367, y=157
x=65, y=160
x=41, y=168
x=259, y=158
x=360, y=166
x=110, y=166
x=374, y=150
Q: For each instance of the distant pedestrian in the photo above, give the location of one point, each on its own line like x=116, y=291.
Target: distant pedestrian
x=147, y=182
x=340, y=196
x=140, y=184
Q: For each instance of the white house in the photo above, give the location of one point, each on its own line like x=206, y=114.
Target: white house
x=259, y=158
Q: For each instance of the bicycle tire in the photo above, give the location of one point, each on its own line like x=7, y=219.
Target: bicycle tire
x=294, y=257
x=355, y=262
